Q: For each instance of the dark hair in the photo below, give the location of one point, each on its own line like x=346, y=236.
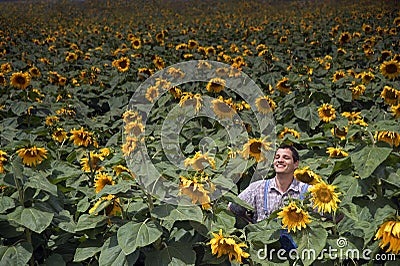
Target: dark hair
x=295, y=153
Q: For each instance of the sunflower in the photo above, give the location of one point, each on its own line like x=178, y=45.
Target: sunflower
x=71, y=57
x=256, y=148
x=283, y=39
x=198, y=160
x=190, y=99
x=192, y=44
x=391, y=137
x=34, y=72
x=216, y=85
x=152, y=93
x=33, y=155
x=223, y=109
x=222, y=71
x=195, y=190
x=345, y=37
x=121, y=64
x=92, y=162
x=324, y=197
x=136, y=43
x=390, y=95
x=265, y=104
x=357, y=91
x=336, y=152
x=204, y=65
x=290, y=131
x=340, y=133
x=51, y=120
x=367, y=77
x=390, y=69
x=338, y=75
x=210, y=50
x=3, y=80
x=221, y=245
x=118, y=169
x=327, y=113
x=134, y=128
x=5, y=68
x=395, y=110
x=129, y=146
x=176, y=92
x=20, y=80
x=131, y=116
x=294, y=217
x=283, y=86
x=306, y=175
x=176, y=72
x=3, y=158
x=113, y=209
x=158, y=62
x=59, y=134
x=389, y=231
x=82, y=137
x=101, y=180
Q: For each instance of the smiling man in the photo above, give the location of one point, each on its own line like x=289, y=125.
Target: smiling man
x=266, y=196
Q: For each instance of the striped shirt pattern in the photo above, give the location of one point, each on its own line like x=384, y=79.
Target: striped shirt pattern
x=254, y=196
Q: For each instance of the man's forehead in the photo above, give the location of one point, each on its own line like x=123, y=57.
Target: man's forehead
x=284, y=151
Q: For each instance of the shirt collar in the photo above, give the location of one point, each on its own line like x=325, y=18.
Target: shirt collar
x=294, y=186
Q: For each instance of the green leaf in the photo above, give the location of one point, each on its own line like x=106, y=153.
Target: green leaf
x=16, y=255
x=55, y=259
x=368, y=159
x=121, y=187
x=308, y=113
x=312, y=238
x=174, y=254
x=350, y=210
x=87, y=249
x=112, y=255
x=6, y=203
x=133, y=235
x=178, y=213
x=87, y=221
x=41, y=183
x=31, y=218
x=229, y=196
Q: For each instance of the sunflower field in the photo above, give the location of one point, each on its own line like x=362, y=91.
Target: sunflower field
x=127, y=127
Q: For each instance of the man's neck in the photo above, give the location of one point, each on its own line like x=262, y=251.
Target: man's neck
x=283, y=182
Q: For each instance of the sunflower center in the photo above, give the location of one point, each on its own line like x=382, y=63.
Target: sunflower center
x=294, y=215
x=306, y=178
x=20, y=80
x=324, y=195
x=123, y=64
x=327, y=112
x=264, y=104
x=199, y=163
x=391, y=69
x=224, y=108
x=255, y=147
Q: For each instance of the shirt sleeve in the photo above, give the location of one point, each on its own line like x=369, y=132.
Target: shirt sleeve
x=249, y=196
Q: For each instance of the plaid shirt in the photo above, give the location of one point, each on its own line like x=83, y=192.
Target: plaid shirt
x=254, y=196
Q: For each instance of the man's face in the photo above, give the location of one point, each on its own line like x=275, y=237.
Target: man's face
x=283, y=162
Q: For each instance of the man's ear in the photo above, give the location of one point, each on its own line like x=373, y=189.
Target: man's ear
x=296, y=164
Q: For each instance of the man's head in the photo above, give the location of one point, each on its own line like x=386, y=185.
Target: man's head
x=286, y=159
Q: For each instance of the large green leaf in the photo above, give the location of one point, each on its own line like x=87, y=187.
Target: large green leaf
x=310, y=240
x=112, y=254
x=173, y=254
x=41, y=183
x=87, y=221
x=87, y=249
x=16, y=255
x=6, y=203
x=368, y=159
x=308, y=113
x=133, y=235
x=169, y=214
x=35, y=220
